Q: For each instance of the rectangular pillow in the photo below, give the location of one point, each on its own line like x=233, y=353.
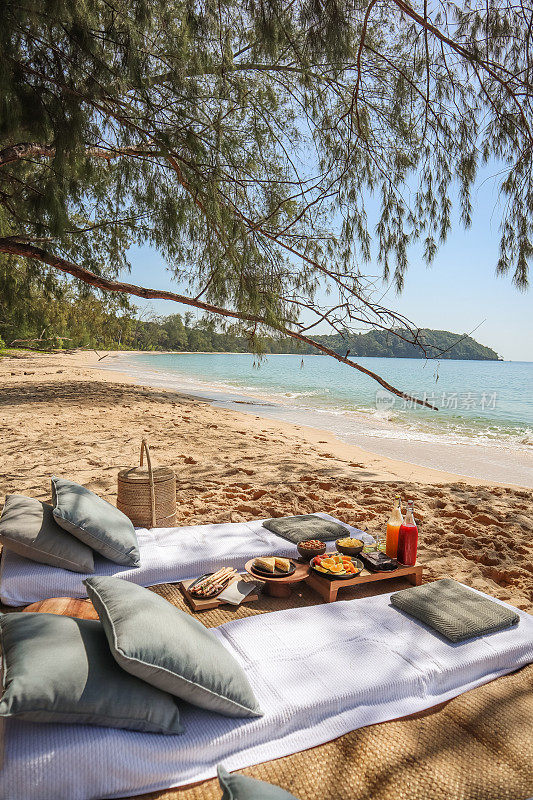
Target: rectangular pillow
x=453, y=610
x=28, y=527
x=95, y=522
x=166, y=647
x=306, y=526
x=59, y=669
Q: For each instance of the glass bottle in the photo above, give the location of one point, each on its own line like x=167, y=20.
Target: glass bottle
x=393, y=528
x=408, y=538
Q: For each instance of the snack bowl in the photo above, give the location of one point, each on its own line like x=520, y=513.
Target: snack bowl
x=354, y=547
x=307, y=553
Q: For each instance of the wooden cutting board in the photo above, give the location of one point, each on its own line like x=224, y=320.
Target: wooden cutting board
x=197, y=604
x=65, y=607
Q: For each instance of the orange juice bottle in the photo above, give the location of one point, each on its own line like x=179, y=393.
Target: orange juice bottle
x=393, y=528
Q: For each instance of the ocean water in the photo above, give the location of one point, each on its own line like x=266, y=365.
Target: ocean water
x=484, y=406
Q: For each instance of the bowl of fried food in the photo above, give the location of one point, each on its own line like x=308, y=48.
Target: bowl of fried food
x=350, y=547
x=311, y=548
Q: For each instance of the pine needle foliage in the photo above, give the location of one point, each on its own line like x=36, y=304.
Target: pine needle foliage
x=242, y=140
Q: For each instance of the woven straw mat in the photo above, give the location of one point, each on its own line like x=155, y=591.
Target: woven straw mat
x=478, y=746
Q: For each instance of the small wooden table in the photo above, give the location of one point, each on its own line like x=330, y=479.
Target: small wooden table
x=280, y=586
x=327, y=588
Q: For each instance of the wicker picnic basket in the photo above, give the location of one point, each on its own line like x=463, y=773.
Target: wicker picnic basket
x=147, y=495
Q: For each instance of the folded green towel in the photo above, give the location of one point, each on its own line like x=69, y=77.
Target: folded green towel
x=453, y=610
x=306, y=526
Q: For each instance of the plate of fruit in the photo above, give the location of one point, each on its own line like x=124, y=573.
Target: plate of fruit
x=337, y=566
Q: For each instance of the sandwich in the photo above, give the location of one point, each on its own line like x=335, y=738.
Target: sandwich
x=266, y=564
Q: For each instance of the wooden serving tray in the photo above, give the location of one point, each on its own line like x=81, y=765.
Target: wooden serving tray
x=64, y=607
x=280, y=585
x=327, y=588
x=199, y=604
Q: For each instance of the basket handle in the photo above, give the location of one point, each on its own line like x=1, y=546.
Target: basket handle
x=146, y=449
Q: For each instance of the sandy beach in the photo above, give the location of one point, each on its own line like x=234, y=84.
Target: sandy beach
x=61, y=416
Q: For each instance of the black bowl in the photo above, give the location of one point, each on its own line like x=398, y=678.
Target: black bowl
x=307, y=554
x=350, y=551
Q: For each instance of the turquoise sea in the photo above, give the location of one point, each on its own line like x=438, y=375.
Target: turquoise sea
x=487, y=405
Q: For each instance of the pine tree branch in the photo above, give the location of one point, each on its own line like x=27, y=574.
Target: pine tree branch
x=470, y=57
x=24, y=150
x=63, y=265
x=15, y=152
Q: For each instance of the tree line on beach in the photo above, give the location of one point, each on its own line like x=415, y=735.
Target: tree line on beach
x=175, y=333
x=68, y=320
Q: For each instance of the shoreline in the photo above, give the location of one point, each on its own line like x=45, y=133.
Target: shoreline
x=394, y=457
x=382, y=467
x=367, y=465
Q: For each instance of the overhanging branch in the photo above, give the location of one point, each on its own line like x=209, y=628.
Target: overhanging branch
x=16, y=152
x=13, y=247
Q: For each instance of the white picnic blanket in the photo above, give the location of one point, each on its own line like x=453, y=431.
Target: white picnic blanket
x=318, y=672
x=166, y=554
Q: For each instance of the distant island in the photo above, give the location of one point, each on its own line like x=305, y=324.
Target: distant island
x=441, y=344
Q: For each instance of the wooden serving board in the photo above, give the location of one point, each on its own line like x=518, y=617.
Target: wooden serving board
x=327, y=588
x=280, y=585
x=198, y=604
x=65, y=607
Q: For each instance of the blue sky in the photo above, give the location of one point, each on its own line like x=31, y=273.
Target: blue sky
x=457, y=293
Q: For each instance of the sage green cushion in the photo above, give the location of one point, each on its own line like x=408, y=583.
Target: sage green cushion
x=241, y=787
x=28, y=527
x=166, y=647
x=95, y=522
x=453, y=610
x=306, y=526
x=59, y=669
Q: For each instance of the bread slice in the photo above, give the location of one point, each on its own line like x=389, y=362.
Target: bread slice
x=268, y=564
x=283, y=564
